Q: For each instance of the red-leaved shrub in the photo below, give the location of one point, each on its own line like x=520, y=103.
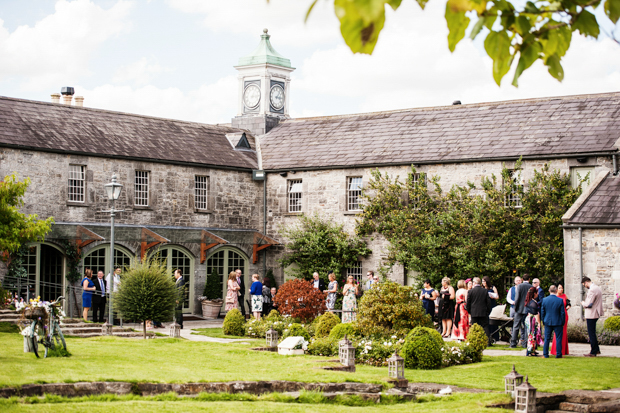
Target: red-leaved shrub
x=299, y=299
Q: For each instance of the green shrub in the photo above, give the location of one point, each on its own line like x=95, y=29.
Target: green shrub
x=577, y=332
x=612, y=323
x=455, y=353
x=340, y=330
x=390, y=308
x=296, y=330
x=376, y=352
x=325, y=346
x=274, y=316
x=213, y=286
x=258, y=328
x=478, y=341
x=325, y=325
x=234, y=323
x=422, y=349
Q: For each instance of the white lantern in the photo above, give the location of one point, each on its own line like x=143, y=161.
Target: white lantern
x=272, y=338
x=346, y=352
x=525, y=398
x=396, y=366
x=113, y=189
x=175, y=330
x=511, y=381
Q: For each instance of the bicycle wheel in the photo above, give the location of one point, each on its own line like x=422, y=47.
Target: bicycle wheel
x=39, y=336
x=34, y=344
x=60, y=338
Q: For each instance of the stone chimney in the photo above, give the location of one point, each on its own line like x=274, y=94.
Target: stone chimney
x=67, y=93
x=79, y=101
x=55, y=97
x=66, y=99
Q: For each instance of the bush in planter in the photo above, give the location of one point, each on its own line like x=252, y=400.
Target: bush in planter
x=422, y=349
x=340, y=330
x=234, y=323
x=325, y=325
x=478, y=341
x=612, y=323
x=296, y=330
x=325, y=346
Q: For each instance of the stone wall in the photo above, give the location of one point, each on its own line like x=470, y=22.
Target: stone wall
x=601, y=263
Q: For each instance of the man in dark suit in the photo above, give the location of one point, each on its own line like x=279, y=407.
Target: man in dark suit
x=317, y=282
x=518, y=323
x=180, y=284
x=479, y=306
x=553, y=314
x=99, y=299
x=241, y=283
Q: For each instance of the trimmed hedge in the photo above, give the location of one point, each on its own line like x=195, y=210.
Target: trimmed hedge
x=422, y=349
x=612, y=323
x=234, y=323
x=340, y=330
x=478, y=341
x=326, y=324
x=296, y=330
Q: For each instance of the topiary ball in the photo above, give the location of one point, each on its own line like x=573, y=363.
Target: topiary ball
x=234, y=323
x=339, y=331
x=297, y=330
x=422, y=349
x=478, y=340
x=273, y=316
x=326, y=324
x=612, y=323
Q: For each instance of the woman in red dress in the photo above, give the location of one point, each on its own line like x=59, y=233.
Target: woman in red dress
x=564, y=334
x=460, y=327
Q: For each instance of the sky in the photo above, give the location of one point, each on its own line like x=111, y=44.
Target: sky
x=175, y=58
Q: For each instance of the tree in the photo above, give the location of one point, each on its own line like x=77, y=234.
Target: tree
x=516, y=32
x=146, y=292
x=213, y=286
x=472, y=231
x=319, y=244
x=16, y=228
x=299, y=299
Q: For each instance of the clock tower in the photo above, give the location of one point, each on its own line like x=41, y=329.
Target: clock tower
x=264, y=83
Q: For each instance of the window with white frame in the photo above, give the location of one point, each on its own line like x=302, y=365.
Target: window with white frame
x=141, y=188
x=77, y=183
x=356, y=272
x=354, y=193
x=513, y=199
x=415, y=178
x=579, y=173
x=294, y=195
x=201, y=185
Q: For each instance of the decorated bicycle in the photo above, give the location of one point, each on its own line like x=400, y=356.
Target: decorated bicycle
x=44, y=326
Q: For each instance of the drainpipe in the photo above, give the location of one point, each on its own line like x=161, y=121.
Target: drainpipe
x=613, y=157
x=581, y=266
x=265, y=224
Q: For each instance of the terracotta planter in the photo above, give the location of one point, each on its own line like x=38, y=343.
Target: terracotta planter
x=211, y=309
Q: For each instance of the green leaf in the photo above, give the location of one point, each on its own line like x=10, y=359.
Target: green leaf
x=360, y=23
x=522, y=25
x=528, y=55
x=531, y=8
x=422, y=3
x=477, y=27
x=457, y=24
x=554, y=66
x=612, y=9
x=497, y=45
x=310, y=10
x=586, y=24
x=395, y=4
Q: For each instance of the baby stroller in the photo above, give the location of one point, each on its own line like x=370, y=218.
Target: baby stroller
x=498, y=323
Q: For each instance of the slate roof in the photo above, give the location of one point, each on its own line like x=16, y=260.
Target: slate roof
x=534, y=127
x=603, y=204
x=63, y=128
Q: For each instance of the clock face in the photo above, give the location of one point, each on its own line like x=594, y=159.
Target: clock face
x=277, y=97
x=251, y=96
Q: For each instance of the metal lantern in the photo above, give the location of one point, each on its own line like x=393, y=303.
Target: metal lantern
x=525, y=398
x=511, y=381
x=346, y=352
x=113, y=189
x=272, y=338
x=106, y=329
x=396, y=366
x=175, y=330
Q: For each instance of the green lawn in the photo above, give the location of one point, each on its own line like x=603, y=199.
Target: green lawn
x=217, y=333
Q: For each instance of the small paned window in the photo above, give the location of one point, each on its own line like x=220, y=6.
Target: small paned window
x=356, y=272
x=417, y=178
x=76, y=183
x=294, y=195
x=354, y=193
x=141, y=188
x=579, y=173
x=200, y=191
x=513, y=199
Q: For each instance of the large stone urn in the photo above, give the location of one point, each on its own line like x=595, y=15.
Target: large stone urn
x=211, y=308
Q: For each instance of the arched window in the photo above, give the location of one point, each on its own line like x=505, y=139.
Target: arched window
x=179, y=258
x=45, y=268
x=226, y=260
x=98, y=259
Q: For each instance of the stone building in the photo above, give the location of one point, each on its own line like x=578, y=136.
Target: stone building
x=211, y=197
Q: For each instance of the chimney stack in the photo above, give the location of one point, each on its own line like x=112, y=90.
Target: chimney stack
x=67, y=93
x=55, y=97
x=79, y=101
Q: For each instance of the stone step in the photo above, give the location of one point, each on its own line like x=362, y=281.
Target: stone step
x=575, y=407
x=558, y=411
x=10, y=315
x=589, y=396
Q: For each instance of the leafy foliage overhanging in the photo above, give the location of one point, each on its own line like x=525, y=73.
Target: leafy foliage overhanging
x=316, y=243
x=471, y=231
x=516, y=33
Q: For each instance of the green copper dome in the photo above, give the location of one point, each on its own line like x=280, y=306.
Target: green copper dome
x=264, y=53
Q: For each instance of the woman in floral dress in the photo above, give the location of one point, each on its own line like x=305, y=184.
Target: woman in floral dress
x=460, y=328
x=232, y=299
x=534, y=336
x=349, y=303
x=332, y=289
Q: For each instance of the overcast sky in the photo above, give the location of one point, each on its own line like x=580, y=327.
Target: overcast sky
x=175, y=58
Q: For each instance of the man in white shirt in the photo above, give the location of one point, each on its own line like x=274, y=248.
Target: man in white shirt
x=117, y=280
x=369, y=280
x=317, y=282
x=512, y=294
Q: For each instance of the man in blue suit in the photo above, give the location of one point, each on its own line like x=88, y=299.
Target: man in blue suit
x=553, y=315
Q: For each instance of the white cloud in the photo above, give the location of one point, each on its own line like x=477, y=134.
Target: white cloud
x=60, y=45
x=140, y=72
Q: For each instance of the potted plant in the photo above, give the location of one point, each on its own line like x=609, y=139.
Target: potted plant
x=211, y=298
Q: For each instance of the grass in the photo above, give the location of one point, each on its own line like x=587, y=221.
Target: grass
x=505, y=347
x=247, y=403
x=215, y=333
x=8, y=328
x=180, y=361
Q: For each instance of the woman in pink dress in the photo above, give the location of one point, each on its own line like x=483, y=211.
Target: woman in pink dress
x=564, y=334
x=232, y=295
x=460, y=327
